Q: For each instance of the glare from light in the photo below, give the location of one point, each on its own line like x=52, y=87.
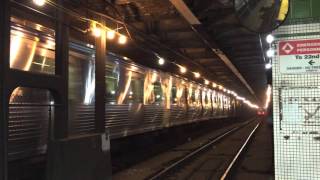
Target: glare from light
x=161, y=61
x=268, y=97
x=122, y=39
x=269, y=38
x=206, y=82
x=268, y=66
x=39, y=2
x=50, y=43
x=31, y=56
x=214, y=85
x=270, y=53
x=111, y=34
x=96, y=31
x=15, y=45
x=220, y=87
x=196, y=75
x=183, y=69
x=133, y=68
x=90, y=85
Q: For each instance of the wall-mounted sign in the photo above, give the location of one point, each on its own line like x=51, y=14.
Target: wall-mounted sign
x=299, y=56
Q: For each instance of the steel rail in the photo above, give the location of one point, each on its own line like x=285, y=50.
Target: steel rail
x=231, y=165
x=166, y=170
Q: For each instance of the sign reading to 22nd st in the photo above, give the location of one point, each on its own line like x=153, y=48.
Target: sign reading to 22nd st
x=299, y=56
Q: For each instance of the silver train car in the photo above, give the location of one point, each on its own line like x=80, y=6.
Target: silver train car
x=138, y=99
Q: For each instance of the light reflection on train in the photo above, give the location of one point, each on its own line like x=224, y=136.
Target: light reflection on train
x=138, y=99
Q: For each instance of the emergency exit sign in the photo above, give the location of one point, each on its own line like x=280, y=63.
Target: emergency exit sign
x=299, y=56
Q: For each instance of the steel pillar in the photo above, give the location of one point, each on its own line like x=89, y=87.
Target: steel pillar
x=4, y=95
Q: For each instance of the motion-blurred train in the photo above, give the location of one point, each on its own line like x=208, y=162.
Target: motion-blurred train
x=138, y=99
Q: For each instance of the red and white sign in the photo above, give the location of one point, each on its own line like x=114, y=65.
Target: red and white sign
x=299, y=56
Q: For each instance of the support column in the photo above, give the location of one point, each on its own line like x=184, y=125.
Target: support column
x=100, y=83
x=4, y=66
x=100, y=93
x=61, y=124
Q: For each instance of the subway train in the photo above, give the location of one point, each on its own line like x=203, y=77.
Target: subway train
x=138, y=99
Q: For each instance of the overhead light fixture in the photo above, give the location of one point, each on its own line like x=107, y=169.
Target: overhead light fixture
x=161, y=61
x=214, y=85
x=269, y=38
x=95, y=30
x=270, y=53
x=268, y=66
x=206, y=82
x=111, y=34
x=122, y=39
x=39, y=2
x=183, y=69
x=196, y=75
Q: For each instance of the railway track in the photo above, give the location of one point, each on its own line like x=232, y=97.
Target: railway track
x=214, y=159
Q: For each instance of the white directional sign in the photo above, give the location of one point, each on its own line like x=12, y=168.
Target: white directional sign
x=299, y=56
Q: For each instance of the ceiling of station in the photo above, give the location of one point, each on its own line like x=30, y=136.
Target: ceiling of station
x=178, y=36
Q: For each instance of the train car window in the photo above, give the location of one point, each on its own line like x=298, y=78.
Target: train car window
x=208, y=99
x=158, y=94
x=112, y=76
x=178, y=93
x=174, y=99
x=218, y=100
x=197, y=97
x=213, y=97
x=32, y=47
x=135, y=90
x=166, y=89
x=81, y=74
x=153, y=92
x=193, y=97
x=81, y=88
x=203, y=97
x=206, y=95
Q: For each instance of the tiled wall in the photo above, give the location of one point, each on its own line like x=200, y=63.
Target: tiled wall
x=296, y=109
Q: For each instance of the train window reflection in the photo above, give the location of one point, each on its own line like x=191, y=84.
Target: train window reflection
x=81, y=88
x=81, y=74
x=174, y=98
x=135, y=91
x=158, y=95
x=32, y=47
x=197, y=96
x=112, y=81
x=178, y=94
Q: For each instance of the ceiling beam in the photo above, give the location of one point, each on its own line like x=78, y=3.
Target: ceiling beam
x=184, y=10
